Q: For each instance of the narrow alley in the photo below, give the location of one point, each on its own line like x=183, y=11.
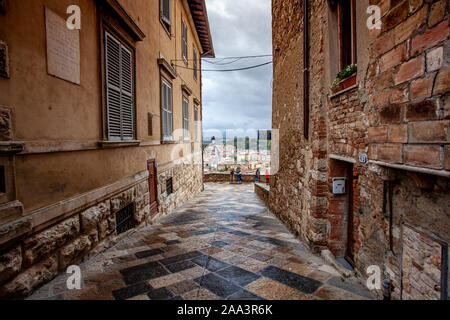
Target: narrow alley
x=223, y=244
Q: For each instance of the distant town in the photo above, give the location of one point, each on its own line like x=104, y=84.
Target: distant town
x=221, y=155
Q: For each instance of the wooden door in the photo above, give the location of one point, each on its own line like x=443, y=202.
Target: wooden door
x=153, y=187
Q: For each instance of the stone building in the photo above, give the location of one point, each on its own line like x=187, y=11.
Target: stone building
x=364, y=167
x=100, y=126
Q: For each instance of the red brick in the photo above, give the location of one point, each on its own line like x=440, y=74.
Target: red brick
x=383, y=44
x=390, y=152
x=446, y=101
x=414, y=22
x=380, y=99
x=409, y=70
x=424, y=110
x=437, y=12
x=422, y=88
x=414, y=5
x=392, y=58
x=378, y=134
x=447, y=157
x=423, y=155
x=430, y=37
x=391, y=114
x=395, y=16
x=398, y=133
x=383, y=81
x=429, y=132
x=442, y=84
x=399, y=94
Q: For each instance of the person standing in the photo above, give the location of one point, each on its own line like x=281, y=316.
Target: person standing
x=232, y=176
x=239, y=177
x=258, y=173
x=267, y=176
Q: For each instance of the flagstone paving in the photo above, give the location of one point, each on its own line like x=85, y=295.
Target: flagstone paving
x=224, y=244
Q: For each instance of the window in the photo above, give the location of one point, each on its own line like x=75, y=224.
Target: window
x=166, y=106
x=165, y=13
x=196, y=123
x=195, y=64
x=169, y=186
x=187, y=134
x=347, y=32
x=119, y=89
x=184, y=40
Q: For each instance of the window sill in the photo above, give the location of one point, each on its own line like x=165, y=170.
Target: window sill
x=169, y=34
x=119, y=144
x=168, y=142
x=345, y=85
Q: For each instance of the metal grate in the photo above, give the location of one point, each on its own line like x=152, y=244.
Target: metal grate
x=124, y=219
x=169, y=186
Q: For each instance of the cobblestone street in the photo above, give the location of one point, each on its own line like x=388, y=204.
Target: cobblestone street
x=224, y=244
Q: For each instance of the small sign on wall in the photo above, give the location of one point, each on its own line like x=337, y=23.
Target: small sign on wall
x=339, y=186
x=63, y=48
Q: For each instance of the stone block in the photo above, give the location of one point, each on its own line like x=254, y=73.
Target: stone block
x=10, y=211
x=424, y=110
x=422, y=88
x=391, y=114
x=10, y=263
x=429, y=132
x=390, y=152
x=92, y=216
x=423, y=155
x=141, y=189
x=437, y=13
x=378, y=134
x=447, y=157
x=435, y=59
x=122, y=200
x=410, y=25
x=45, y=242
x=430, y=38
x=412, y=69
x=6, y=131
x=398, y=133
x=73, y=251
x=442, y=84
x=23, y=284
x=15, y=229
x=392, y=58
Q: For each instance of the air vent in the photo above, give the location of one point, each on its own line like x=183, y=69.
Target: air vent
x=124, y=219
x=169, y=186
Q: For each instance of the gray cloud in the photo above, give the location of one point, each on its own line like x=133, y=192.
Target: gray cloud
x=243, y=99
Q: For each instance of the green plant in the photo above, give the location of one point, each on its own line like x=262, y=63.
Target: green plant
x=344, y=74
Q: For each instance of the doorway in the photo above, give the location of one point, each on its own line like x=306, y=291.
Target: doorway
x=153, y=187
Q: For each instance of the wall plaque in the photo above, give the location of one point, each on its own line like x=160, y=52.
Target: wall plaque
x=63, y=48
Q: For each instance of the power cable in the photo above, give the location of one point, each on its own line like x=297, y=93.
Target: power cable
x=226, y=70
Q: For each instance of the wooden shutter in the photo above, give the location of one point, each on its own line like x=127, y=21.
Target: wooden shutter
x=166, y=102
x=119, y=90
x=165, y=11
x=186, y=118
x=195, y=64
x=184, y=36
x=196, y=123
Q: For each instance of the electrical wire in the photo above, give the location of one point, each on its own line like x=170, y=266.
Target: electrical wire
x=227, y=58
x=226, y=70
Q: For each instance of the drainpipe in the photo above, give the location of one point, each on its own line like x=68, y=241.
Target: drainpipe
x=306, y=68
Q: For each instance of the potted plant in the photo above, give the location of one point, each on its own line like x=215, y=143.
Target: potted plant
x=345, y=78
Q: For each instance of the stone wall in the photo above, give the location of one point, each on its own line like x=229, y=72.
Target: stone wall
x=226, y=177
x=187, y=181
x=36, y=258
x=263, y=192
x=396, y=115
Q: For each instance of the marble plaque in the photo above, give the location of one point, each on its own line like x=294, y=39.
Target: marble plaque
x=63, y=48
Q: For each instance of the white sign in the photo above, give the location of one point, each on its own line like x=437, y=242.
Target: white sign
x=63, y=48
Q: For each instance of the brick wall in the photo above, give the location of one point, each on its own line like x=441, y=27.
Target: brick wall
x=398, y=114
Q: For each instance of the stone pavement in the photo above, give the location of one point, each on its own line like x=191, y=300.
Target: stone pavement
x=223, y=244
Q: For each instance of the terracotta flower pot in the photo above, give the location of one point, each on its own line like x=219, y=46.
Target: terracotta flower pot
x=345, y=84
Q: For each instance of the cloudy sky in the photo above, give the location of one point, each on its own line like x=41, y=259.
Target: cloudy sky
x=238, y=101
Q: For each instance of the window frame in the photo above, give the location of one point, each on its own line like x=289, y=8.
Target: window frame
x=184, y=41
x=166, y=21
x=352, y=37
x=186, y=121
x=196, y=123
x=164, y=81
x=195, y=67
x=113, y=27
